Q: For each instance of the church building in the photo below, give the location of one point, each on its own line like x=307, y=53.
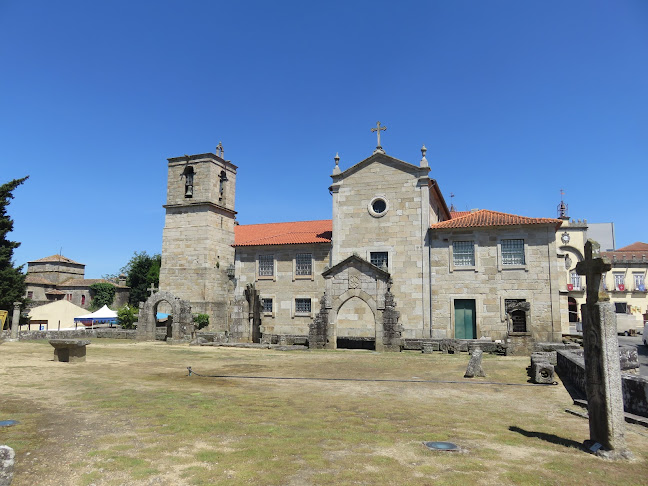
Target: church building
x=393, y=264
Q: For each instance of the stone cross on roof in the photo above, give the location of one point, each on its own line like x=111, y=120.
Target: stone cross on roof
x=593, y=267
x=378, y=129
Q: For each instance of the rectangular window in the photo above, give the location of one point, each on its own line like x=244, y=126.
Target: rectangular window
x=69, y=297
x=463, y=253
x=302, y=306
x=267, y=305
x=576, y=281
x=380, y=258
x=304, y=264
x=266, y=265
x=621, y=307
x=639, y=282
x=604, y=281
x=619, y=281
x=30, y=295
x=512, y=252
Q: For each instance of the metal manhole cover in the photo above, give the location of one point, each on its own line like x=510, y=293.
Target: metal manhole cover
x=8, y=423
x=441, y=446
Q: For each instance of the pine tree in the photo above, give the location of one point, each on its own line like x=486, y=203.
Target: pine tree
x=12, y=280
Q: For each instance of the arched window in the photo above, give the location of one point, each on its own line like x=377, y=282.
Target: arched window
x=189, y=181
x=221, y=185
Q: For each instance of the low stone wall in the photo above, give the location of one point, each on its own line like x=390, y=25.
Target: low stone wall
x=84, y=333
x=571, y=365
x=453, y=345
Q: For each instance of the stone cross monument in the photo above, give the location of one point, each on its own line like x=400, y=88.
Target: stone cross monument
x=602, y=369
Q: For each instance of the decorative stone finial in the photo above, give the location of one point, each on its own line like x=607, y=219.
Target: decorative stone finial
x=424, y=162
x=219, y=150
x=336, y=169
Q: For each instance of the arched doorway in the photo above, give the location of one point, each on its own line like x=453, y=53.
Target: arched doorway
x=355, y=325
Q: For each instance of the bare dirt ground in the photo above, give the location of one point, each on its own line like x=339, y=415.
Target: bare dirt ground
x=131, y=415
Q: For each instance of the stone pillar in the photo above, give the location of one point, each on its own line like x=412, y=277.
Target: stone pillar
x=603, y=379
x=15, y=321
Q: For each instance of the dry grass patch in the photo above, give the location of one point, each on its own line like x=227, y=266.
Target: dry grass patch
x=131, y=415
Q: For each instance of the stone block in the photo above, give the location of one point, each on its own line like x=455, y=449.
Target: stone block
x=548, y=356
x=69, y=350
x=475, y=365
x=7, y=458
x=542, y=372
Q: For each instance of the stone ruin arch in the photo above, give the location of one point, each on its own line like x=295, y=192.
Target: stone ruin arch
x=356, y=278
x=181, y=317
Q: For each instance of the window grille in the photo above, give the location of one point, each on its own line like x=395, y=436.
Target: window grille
x=512, y=252
x=619, y=279
x=266, y=265
x=304, y=264
x=267, y=305
x=518, y=316
x=302, y=306
x=379, y=258
x=576, y=281
x=463, y=253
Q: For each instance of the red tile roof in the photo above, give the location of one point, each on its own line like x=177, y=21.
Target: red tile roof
x=485, y=217
x=283, y=233
x=458, y=214
x=56, y=258
x=637, y=246
x=637, y=252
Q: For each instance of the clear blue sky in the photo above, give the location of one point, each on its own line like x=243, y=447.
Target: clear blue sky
x=513, y=99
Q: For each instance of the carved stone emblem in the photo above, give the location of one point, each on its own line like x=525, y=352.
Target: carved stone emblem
x=354, y=282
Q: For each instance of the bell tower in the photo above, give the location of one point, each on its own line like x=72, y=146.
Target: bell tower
x=199, y=233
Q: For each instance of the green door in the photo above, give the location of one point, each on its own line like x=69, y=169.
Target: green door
x=465, y=322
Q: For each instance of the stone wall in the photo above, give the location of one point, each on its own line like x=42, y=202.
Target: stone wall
x=489, y=282
x=284, y=286
x=635, y=388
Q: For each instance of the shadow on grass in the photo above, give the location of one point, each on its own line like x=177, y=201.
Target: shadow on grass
x=554, y=439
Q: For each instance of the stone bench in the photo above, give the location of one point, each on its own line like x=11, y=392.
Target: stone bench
x=69, y=350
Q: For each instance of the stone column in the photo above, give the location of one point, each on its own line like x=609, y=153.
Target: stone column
x=15, y=321
x=603, y=379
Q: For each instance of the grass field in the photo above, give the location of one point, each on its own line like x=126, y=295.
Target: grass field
x=131, y=415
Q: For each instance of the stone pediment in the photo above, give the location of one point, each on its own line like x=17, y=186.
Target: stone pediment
x=356, y=262
x=385, y=159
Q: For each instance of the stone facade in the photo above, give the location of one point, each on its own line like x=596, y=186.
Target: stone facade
x=57, y=277
x=382, y=245
x=490, y=283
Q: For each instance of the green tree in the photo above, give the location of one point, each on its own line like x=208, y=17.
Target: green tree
x=201, y=320
x=141, y=271
x=12, y=280
x=102, y=294
x=126, y=316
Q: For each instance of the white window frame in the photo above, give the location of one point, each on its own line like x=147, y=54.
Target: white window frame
x=575, y=280
x=639, y=279
x=619, y=279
